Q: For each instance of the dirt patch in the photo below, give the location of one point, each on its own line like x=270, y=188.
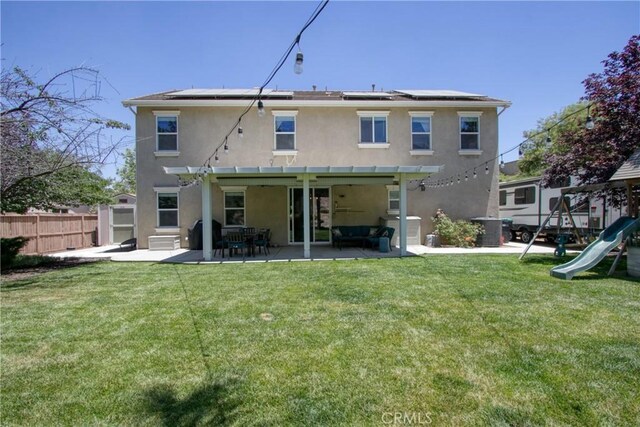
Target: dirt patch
x=11, y=274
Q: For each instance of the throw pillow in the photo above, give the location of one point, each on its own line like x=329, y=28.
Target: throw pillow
x=337, y=232
x=373, y=231
x=385, y=233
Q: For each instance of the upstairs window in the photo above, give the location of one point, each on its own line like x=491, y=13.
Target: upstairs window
x=420, y=131
x=373, y=127
x=285, y=130
x=166, y=130
x=469, y=131
x=525, y=195
x=503, y=197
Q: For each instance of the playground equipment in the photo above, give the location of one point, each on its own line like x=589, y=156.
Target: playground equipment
x=609, y=239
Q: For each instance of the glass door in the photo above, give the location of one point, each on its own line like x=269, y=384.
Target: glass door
x=319, y=215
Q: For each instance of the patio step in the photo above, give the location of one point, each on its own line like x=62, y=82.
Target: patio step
x=164, y=243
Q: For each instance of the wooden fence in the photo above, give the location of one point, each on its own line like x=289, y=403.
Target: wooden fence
x=51, y=232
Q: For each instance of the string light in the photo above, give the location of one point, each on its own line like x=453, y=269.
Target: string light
x=240, y=131
x=501, y=162
x=261, y=111
x=226, y=147
x=297, y=66
x=458, y=178
x=548, y=140
x=466, y=176
x=589, y=123
x=486, y=168
x=475, y=173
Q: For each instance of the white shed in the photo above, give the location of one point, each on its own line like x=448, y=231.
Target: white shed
x=117, y=222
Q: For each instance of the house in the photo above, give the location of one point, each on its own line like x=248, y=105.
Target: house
x=356, y=156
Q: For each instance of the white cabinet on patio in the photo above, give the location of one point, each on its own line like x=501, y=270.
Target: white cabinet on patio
x=413, y=229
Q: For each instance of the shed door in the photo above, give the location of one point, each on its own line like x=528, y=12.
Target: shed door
x=122, y=223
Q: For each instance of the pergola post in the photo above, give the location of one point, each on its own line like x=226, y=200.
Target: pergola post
x=403, y=215
x=207, y=232
x=306, y=214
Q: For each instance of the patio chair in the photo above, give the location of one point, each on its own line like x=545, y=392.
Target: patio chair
x=218, y=243
x=236, y=240
x=262, y=240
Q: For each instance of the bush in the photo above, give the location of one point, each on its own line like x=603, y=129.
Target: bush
x=460, y=233
x=9, y=248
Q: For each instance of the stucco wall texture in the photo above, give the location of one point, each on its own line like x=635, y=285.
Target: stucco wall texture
x=325, y=136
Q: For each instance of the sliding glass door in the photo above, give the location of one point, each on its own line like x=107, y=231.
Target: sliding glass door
x=319, y=215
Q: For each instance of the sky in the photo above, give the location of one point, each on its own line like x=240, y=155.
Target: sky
x=534, y=54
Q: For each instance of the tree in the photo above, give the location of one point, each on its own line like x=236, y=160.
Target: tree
x=51, y=138
x=127, y=174
x=593, y=155
x=541, y=141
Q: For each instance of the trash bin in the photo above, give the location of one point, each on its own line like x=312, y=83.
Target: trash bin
x=384, y=244
x=506, y=229
x=432, y=241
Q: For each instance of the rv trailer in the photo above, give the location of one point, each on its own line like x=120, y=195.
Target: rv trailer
x=527, y=204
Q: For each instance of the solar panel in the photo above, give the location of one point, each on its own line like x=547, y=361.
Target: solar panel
x=231, y=93
x=367, y=94
x=438, y=93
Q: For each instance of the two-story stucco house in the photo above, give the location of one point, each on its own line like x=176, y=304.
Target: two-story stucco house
x=356, y=156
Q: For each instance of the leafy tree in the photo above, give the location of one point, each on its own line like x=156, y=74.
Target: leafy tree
x=593, y=155
x=51, y=138
x=541, y=141
x=126, y=174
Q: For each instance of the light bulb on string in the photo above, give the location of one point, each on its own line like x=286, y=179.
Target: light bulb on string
x=486, y=168
x=466, y=176
x=216, y=158
x=548, y=140
x=501, y=162
x=458, y=178
x=589, y=122
x=297, y=66
x=261, y=111
x=475, y=173
x=240, y=132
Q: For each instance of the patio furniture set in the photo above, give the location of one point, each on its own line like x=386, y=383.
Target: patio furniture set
x=362, y=235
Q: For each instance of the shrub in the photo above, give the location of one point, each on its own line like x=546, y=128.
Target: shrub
x=460, y=233
x=9, y=248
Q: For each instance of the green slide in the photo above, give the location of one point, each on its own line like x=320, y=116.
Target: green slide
x=615, y=234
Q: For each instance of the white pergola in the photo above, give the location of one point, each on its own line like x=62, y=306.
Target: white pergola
x=305, y=175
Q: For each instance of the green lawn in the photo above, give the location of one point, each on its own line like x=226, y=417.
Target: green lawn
x=454, y=340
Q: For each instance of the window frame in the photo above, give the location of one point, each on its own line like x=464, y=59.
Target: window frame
x=283, y=151
x=390, y=189
x=373, y=115
x=519, y=200
x=227, y=190
x=420, y=151
x=167, y=190
x=167, y=114
x=469, y=115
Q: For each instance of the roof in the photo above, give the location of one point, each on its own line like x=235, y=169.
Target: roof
x=629, y=169
x=281, y=98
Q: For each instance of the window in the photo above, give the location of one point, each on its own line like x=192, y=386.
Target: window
x=560, y=182
x=285, y=132
x=373, y=127
x=469, y=130
x=234, y=207
x=525, y=195
x=554, y=200
x=166, y=131
x=503, y=197
x=421, y=130
x=393, y=199
x=167, y=209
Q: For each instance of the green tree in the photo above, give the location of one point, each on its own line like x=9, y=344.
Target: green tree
x=52, y=139
x=126, y=182
x=542, y=141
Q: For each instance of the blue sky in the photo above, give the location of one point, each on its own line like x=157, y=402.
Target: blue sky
x=535, y=54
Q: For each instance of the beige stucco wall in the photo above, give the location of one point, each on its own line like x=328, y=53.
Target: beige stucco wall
x=324, y=137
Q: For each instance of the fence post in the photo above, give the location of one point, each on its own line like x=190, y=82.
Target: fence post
x=37, y=233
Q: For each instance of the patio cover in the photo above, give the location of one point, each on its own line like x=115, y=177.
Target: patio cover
x=283, y=174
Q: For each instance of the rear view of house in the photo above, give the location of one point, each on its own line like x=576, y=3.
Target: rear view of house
x=309, y=161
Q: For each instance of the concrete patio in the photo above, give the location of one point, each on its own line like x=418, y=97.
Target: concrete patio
x=287, y=253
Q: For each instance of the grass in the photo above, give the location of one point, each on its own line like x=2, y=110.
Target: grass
x=456, y=340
